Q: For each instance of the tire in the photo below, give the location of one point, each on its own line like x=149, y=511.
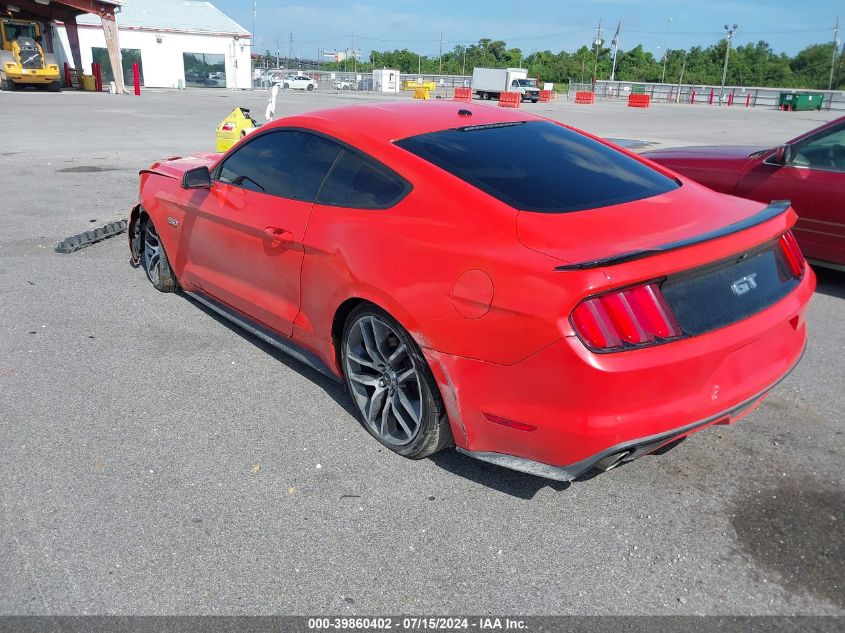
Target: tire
x=54, y=86
x=310, y=87
x=534, y=100
x=286, y=85
x=380, y=357
x=6, y=84
x=154, y=260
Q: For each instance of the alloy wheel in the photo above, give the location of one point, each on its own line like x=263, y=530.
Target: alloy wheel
x=384, y=380
x=152, y=253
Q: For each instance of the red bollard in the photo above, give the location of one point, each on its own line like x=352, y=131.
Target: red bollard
x=67, y=75
x=748, y=101
x=137, y=76
x=692, y=97
x=731, y=99
x=711, y=97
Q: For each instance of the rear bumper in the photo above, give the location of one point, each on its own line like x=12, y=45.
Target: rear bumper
x=622, y=452
x=586, y=406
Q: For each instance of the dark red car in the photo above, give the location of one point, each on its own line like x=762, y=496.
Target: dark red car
x=809, y=171
x=486, y=278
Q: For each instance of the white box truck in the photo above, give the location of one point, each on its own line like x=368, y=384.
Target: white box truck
x=489, y=83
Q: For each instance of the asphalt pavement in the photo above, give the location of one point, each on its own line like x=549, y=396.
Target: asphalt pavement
x=155, y=460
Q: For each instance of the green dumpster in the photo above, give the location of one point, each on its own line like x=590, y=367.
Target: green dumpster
x=800, y=101
x=638, y=89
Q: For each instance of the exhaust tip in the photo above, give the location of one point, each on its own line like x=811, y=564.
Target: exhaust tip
x=611, y=461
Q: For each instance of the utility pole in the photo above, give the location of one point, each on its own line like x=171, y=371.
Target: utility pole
x=835, y=46
x=277, y=51
x=665, y=50
x=615, y=44
x=464, y=67
x=597, y=43
x=729, y=33
x=440, y=64
x=354, y=60
x=254, y=11
x=290, y=47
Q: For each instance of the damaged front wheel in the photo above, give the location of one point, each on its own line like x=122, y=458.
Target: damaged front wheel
x=155, y=262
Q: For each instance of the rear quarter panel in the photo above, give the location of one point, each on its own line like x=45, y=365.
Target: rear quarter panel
x=408, y=259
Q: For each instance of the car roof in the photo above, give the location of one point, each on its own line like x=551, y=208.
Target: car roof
x=392, y=121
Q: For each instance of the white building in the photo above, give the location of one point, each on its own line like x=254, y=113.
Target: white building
x=175, y=43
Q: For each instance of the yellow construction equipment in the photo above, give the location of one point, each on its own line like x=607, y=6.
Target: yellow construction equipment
x=233, y=128
x=23, y=61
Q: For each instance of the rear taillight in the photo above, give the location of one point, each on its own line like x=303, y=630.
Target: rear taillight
x=633, y=317
x=794, y=257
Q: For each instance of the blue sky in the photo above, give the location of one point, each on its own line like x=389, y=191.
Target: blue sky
x=788, y=25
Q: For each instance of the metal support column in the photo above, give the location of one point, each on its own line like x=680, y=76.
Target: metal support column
x=113, y=45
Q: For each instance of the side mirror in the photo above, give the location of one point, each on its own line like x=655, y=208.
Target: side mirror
x=197, y=178
x=783, y=154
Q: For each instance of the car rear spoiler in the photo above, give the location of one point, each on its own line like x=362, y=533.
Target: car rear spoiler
x=776, y=208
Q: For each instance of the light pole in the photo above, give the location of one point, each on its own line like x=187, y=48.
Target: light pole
x=729, y=33
x=665, y=50
x=597, y=43
x=615, y=51
x=835, y=46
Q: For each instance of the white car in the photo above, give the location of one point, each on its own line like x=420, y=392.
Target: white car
x=299, y=82
x=342, y=84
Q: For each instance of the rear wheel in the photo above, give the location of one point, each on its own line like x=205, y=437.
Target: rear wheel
x=54, y=86
x=392, y=386
x=310, y=87
x=286, y=85
x=155, y=262
x=6, y=84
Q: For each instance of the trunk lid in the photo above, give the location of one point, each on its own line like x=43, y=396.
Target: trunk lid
x=680, y=214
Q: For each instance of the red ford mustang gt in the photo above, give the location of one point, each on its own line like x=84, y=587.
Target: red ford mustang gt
x=486, y=278
x=808, y=170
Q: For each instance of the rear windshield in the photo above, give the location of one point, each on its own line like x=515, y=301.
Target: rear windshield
x=539, y=166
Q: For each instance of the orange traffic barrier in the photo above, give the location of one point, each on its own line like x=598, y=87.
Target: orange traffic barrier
x=585, y=97
x=463, y=94
x=638, y=101
x=545, y=95
x=510, y=99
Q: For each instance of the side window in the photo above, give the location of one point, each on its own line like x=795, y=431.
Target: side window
x=357, y=181
x=287, y=163
x=826, y=151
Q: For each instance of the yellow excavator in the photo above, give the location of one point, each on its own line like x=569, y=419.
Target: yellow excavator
x=22, y=60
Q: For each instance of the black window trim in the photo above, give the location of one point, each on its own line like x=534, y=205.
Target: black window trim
x=345, y=147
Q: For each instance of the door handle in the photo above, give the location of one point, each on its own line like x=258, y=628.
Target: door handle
x=278, y=234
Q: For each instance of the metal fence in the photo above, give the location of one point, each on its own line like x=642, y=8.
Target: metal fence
x=736, y=96
x=341, y=81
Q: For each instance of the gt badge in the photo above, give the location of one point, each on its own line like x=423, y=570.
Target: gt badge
x=744, y=284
